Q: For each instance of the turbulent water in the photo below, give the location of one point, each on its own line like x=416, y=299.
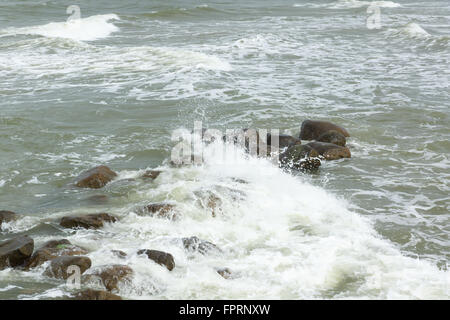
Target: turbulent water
x=111, y=88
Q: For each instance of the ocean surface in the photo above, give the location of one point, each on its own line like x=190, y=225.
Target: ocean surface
x=112, y=87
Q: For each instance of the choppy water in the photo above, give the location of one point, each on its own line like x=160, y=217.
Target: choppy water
x=111, y=88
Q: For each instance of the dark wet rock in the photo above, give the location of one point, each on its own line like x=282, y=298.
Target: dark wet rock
x=88, y=221
x=238, y=180
x=161, y=210
x=90, y=294
x=7, y=216
x=300, y=157
x=284, y=141
x=225, y=273
x=311, y=129
x=110, y=275
x=52, y=249
x=59, y=266
x=334, y=137
x=199, y=245
x=151, y=174
x=330, y=151
x=160, y=257
x=119, y=253
x=14, y=252
x=95, y=178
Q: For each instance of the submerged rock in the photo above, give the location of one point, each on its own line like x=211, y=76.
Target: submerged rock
x=110, y=275
x=209, y=200
x=161, y=210
x=88, y=221
x=14, y=252
x=330, y=151
x=225, y=273
x=53, y=249
x=59, y=267
x=7, y=216
x=95, y=178
x=160, y=257
x=199, y=245
x=334, y=137
x=90, y=294
x=311, y=129
x=151, y=174
x=119, y=253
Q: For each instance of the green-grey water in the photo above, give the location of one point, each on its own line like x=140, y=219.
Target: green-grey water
x=112, y=87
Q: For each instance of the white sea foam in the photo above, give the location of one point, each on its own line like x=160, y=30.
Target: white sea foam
x=280, y=235
x=85, y=29
x=411, y=30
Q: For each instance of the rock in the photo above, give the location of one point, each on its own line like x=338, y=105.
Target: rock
x=59, y=267
x=334, y=137
x=119, y=253
x=161, y=210
x=225, y=273
x=52, y=249
x=90, y=294
x=95, y=178
x=110, y=275
x=300, y=157
x=88, y=221
x=98, y=199
x=311, y=130
x=284, y=141
x=151, y=174
x=14, y=252
x=330, y=151
x=209, y=200
x=160, y=257
x=198, y=245
x=7, y=216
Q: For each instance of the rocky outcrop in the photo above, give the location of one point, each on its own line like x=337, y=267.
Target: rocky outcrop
x=151, y=174
x=284, y=141
x=95, y=178
x=225, y=273
x=300, y=157
x=330, y=151
x=59, y=267
x=53, y=249
x=198, y=245
x=7, y=216
x=160, y=257
x=15, y=252
x=161, y=210
x=311, y=129
x=88, y=221
x=90, y=294
x=110, y=275
x=334, y=137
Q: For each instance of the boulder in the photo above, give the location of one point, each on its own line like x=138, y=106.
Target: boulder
x=284, y=141
x=161, y=210
x=52, y=249
x=14, y=252
x=334, y=137
x=300, y=157
x=311, y=129
x=151, y=174
x=95, y=178
x=225, y=273
x=88, y=221
x=209, y=200
x=110, y=275
x=198, y=245
x=59, y=266
x=90, y=294
x=6, y=216
x=160, y=257
x=330, y=151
